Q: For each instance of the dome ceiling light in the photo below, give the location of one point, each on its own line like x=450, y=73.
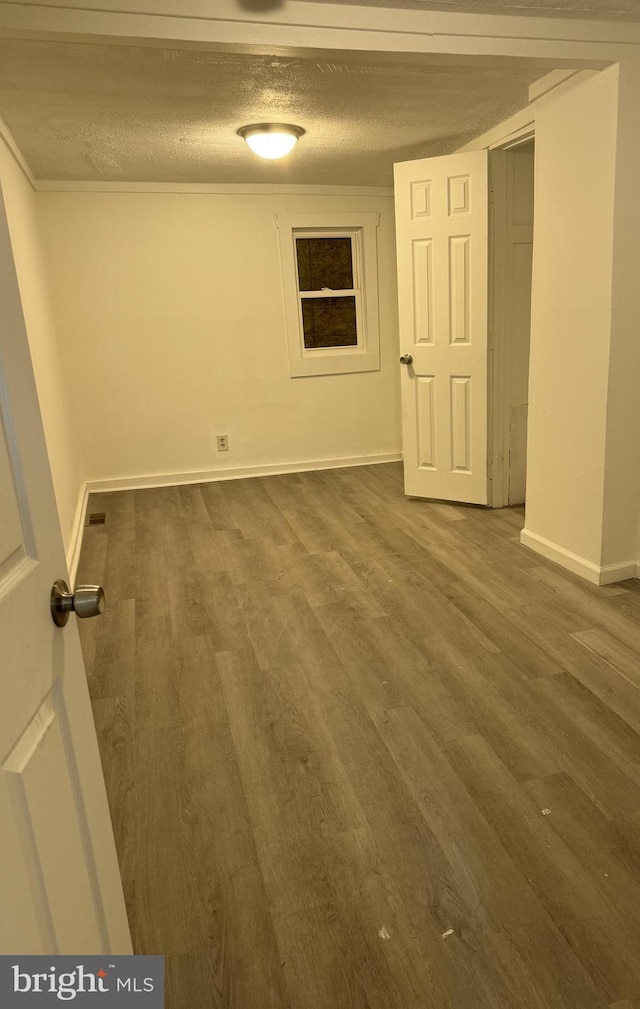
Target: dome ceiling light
x=271, y=140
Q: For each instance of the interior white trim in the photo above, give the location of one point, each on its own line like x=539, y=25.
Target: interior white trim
x=517, y=127
x=302, y=24
x=594, y=573
x=8, y=140
x=550, y=82
x=212, y=475
x=619, y=572
x=499, y=344
x=208, y=188
x=362, y=228
x=77, y=529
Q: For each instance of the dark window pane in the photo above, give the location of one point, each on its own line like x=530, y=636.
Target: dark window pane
x=329, y=322
x=324, y=262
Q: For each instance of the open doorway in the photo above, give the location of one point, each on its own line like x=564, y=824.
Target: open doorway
x=464, y=230
x=511, y=173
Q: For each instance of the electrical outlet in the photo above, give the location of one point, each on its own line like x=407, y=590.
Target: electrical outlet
x=223, y=443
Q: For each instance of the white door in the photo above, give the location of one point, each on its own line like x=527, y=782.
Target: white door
x=442, y=246
x=59, y=879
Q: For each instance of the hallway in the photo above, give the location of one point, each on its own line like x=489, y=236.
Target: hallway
x=365, y=752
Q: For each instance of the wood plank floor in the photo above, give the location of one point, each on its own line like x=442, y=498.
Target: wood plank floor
x=364, y=752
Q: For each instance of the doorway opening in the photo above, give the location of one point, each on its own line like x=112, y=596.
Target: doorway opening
x=511, y=173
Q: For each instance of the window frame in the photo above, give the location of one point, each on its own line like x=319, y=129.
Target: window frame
x=352, y=292
x=361, y=228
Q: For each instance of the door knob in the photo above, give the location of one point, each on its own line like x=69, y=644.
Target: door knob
x=406, y=359
x=86, y=601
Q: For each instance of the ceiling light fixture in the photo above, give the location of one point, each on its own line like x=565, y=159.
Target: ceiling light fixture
x=271, y=140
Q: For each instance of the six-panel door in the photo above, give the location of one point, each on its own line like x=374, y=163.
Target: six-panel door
x=442, y=247
x=59, y=879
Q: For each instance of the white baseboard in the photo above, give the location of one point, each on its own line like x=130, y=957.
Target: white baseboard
x=596, y=574
x=77, y=529
x=212, y=475
x=619, y=572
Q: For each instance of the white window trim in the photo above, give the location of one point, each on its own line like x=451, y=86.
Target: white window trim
x=356, y=291
x=362, y=228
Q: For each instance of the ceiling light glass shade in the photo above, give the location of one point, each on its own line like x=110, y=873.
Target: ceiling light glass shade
x=271, y=140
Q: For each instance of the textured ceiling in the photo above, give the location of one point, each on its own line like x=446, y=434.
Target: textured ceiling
x=602, y=10
x=124, y=113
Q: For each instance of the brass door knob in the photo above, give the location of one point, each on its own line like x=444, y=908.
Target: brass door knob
x=406, y=359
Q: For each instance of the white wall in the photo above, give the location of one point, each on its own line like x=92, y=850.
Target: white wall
x=519, y=241
x=171, y=313
x=510, y=256
x=622, y=472
x=576, y=134
x=21, y=205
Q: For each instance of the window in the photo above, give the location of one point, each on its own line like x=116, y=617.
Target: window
x=329, y=264
x=327, y=289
